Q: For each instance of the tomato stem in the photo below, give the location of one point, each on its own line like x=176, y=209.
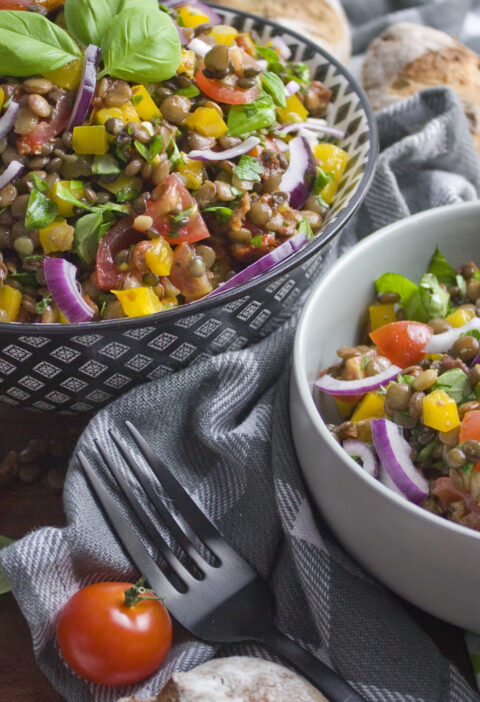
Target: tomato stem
x=138, y=592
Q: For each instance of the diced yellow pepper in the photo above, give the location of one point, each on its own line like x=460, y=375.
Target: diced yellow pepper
x=62, y=319
x=372, y=405
x=187, y=63
x=207, y=122
x=460, y=317
x=160, y=257
x=90, y=140
x=123, y=182
x=433, y=356
x=2, y=98
x=381, y=315
x=223, y=34
x=137, y=302
x=44, y=235
x=10, y=299
x=127, y=113
x=293, y=112
x=65, y=208
x=332, y=159
x=68, y=76
x=344, y=407
x=193, y=171
x=143, y=103
x=191, y=17
x=440, y=411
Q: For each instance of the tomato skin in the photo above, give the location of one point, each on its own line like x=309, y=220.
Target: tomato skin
x=402, y=342
x=45, y=130
x=191, y=287
x=109, y=643
x=470, y=429
x=121, y=236
x=172, y=190
x=224, y=93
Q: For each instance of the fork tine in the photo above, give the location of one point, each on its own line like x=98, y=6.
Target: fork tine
x=127, y=537
x=157, y=539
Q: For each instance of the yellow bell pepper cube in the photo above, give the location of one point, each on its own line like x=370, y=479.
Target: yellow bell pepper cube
x=90, y=140
x=372, y=405
x=440, y=411
x=2, y=98
x=192, y=17
x=65, y=208
x=293, y=112
x=127, y=113
x=143, y=103
x=207, y=122
x=123, y=182
x=187, y=63
x=48, y=243
x=10, y=299
x=68, y=76
x=381, y=315
x=62, y=319
x=160, y=257
x=433, y=356
x=223, y=34
x=193, y=172
x=137, y=302
x=332, y=159
x=460, y=317
x=344, y=407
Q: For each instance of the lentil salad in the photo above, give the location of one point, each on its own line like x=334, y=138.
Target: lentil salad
x=165, y=189
x=409, y=394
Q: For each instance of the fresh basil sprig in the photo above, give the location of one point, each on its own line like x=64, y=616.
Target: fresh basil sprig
x=41, y=211
x=31, y=44
x=88, y=20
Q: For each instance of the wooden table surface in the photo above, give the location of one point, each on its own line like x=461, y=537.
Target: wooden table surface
x=25, y=507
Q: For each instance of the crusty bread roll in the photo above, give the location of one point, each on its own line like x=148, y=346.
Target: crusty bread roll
x=322, y=21
x=237, y=679
x=407, y=57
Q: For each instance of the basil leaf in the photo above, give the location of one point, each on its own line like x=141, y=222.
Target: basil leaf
x=41, y=211
x=65, y=194
x=105, y=165
x=39, y=183
x=88, y=20
x=248, y=168
x=273, y=85
x=456, y=385
x=244, y=119
x=441, y=268
x=149, y=152
x=430, y=300
x=31, y=44
x=26, y=279
x=141, y=46
x=396, y=283
x=85, y=237
x=222, y=213
x=305, y=228
x=4, y=584
x=190, y=91
x=272, y=58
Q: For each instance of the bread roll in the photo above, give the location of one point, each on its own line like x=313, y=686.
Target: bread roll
x=237, y=679
x=322, y=21
x=407, y=57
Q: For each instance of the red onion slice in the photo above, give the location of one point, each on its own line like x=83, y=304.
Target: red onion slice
x=291, y=88
x=208, y=11
x=365, y=454
x=281, y=45
x=86, y=89
x=441, y=343
x=13, y=169
x=8, y=118
x=299, y=177
x=315, y=126
x=200, y=47
x=209, y=155
x=394, y=454
x=265, y=263
x=181, y=35
x=60, y=279
x=337, y=386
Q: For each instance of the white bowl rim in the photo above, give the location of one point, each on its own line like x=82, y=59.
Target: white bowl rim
x=304, y=387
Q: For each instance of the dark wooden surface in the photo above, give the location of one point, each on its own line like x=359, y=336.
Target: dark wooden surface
x=26, y=507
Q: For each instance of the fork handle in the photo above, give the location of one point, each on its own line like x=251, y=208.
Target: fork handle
x=320, y=675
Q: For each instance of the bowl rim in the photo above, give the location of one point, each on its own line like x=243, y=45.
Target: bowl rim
x=296, y=259
x=304, y=386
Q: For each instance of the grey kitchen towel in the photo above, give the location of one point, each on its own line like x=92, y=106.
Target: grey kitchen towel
x=222, y=425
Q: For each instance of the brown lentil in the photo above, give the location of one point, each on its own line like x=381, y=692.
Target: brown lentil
x=415, y=406
x=386, y=298
x=439, y=325
x=468, y=270
x=466, y=348
x=468, y=407
x=25, y=121
x=175, y=108
x=377, y=365
x=39, y=106
x=425, y=379
x=398, y=396
x=160, y=172
x=133, y=167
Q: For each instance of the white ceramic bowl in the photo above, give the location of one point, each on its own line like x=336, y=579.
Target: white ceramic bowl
x=427, y=560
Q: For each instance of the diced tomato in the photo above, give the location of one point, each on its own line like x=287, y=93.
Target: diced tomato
x=470, y=429
x=191, y=287
x=121, y=236
x=446, y=491
x=228, y=94
x=45, y=130
x=174, y=193
x=264, y=243
x=402, y=342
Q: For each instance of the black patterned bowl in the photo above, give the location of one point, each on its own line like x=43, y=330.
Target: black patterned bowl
x=80, y=367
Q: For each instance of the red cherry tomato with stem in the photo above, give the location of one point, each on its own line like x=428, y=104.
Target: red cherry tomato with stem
x=402, y=342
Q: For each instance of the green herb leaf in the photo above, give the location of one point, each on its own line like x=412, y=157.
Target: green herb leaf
x=256, y=240
x=396, y=283
x=88, y=20
x=31, y=44
x=300, y=72
x=42, y=304
x=272, y=58
x=26, y=279
x=105, y=165
x=222, y=213
x=127, y=195
x=65, y=194
x=440, y=267
x=39, y=183
x=455, y=383
x=149, y=152
x=430, y=300
x=173, y=153
x=461, y=284
x=4, y=584
x=85, y=236
x=141, y=46
x=467, y=469
x=273, y=84
x=322, y=179
x=305, y=228
x=190, y=92
x=248, y=168
x=244, y=119
x=189, y=212
x=41, y=211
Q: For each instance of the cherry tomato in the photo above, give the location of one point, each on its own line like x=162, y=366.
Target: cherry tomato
x=110, y=643
x=470, y=429
x=45, y=130
x=228, y=94
x=173, y=195
x=121, y=236
x=191, y=287
x=402, y=342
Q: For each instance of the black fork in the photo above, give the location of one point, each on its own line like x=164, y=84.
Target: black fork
x=211, y=590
